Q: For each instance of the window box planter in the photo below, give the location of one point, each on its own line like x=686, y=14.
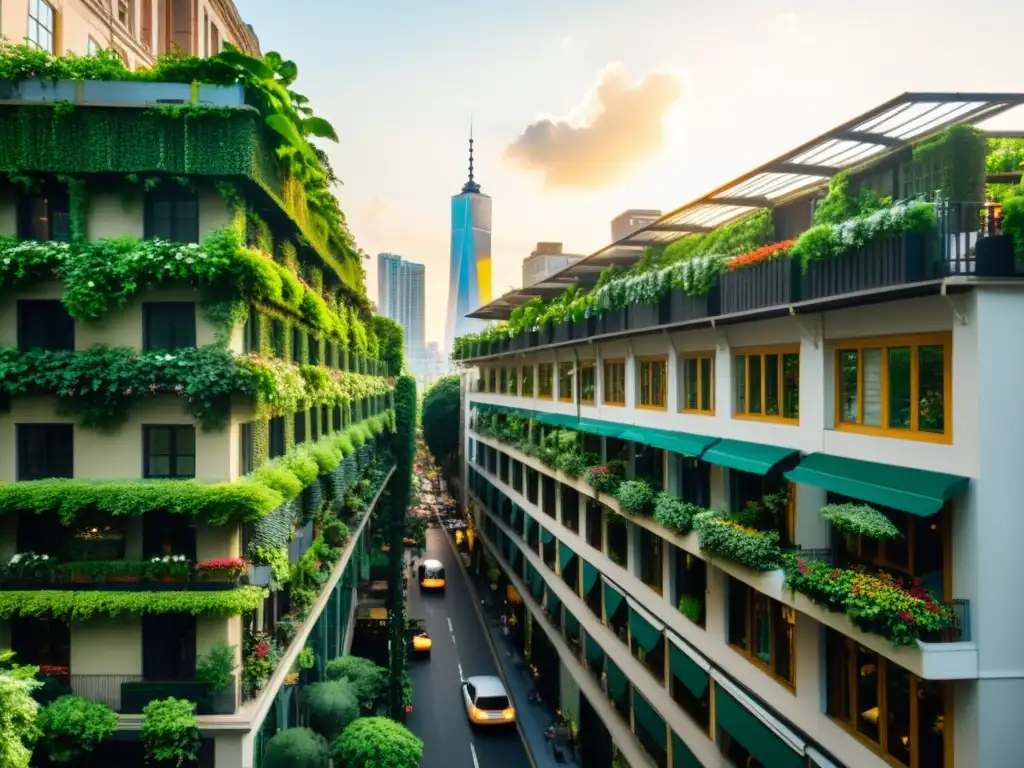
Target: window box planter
x=112, y=579
x=545, y=334
x=561, y=332
x=533, y=338
x=135, y=696
x=683, y=307
x=648, y=315
x=881, y=264
x=613, y=321
x=222, y=702
x=767, y=284
x=520, y=341
x=584, y=329
x=502, y=345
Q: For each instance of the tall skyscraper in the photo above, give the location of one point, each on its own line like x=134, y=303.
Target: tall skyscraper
x=469, y=285
x=401, y=287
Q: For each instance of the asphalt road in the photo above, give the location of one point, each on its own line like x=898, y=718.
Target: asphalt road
x=460, y=649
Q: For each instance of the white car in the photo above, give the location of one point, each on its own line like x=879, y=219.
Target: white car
x=487, y=702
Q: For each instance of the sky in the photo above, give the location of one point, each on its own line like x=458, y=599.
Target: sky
x=584, y=108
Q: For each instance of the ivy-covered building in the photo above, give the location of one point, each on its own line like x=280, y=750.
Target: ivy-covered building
x=746, y=473
x=196, y=418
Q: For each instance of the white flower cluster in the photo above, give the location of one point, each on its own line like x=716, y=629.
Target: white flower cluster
x=691, y=275
x=168, y=559
x=27, y=558
x=855, y=233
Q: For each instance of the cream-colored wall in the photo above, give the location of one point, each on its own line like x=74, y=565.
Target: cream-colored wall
x=215, y=542
x=118, y=455
x=106, y=646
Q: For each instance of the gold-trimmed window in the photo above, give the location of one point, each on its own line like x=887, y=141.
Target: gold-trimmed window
x=651, y=375
x=767, y=383
x=697, y=372
x=763, y=630
x=588, y=381
x=545, y=380
x=565, y=382
x=528, y=390
x=614, y=381
x=896, y=386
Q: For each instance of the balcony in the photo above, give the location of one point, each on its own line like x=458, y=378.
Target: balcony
x=129, y=694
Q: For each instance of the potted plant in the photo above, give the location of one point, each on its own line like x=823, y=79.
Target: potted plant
x=217, y=670
x=224, y=569
x=169, y=568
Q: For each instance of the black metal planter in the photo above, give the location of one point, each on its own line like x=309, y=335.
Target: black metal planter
x=994, y=257
x=613, y=321
x=881, y=264
x=684, y=307
x=642, y=316
x=561, y=332
x=533, y=339
x=760, y=286
x=584, y=329
x=519, y=342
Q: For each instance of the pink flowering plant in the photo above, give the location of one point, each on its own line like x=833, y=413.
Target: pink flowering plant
x=228, y=566
x=897, y=608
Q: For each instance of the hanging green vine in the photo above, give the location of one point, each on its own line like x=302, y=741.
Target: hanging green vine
x=960, y=151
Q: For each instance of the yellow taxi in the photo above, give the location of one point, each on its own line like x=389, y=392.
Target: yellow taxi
x=431, y=574
x=487, y=702
x=419, y=641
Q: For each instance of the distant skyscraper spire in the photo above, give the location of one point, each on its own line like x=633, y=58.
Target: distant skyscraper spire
x=471, y=186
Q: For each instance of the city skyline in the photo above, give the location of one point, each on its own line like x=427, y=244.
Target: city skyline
x=400, y=297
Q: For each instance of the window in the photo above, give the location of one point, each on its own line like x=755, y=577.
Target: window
x=698, y=379
x=314, y=350
x=45, y=324
x=126, y=13
x=92, y=47
x=565, y=382
x=528, y=390
x=245, y=448
x=614, y=382
x=492, y=379
x=503, y=380
x=214, y=40
x=299, y=426
x=695, y=481
x=314, y=424
x=896, y=387
x=45, y=216
x=896, y=713
x=513, y=384
x=545, y=380
x=169, y=452
x=172, y=213
x=651, y=376
x=297, y=346
x=276, y=443
x=146, y=25
x=168, y=325
x=691, y=583
x=588, y=382
x=651, y=548
x=41, y=25
x=768, y=384
x=45, y=451
x=763, y=630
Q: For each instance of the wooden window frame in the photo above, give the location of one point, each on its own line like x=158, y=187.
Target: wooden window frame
x=533, y=381
x=879, y=747
x=588, y=365
x=943, y=339
x=572, y=377
x=604, y=382
x=551, y=369
x=764, y=352
x=751, y=594
x=641, y=391
x=699, y=358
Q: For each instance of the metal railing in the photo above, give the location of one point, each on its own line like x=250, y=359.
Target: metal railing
x=105, y=689
x=959, y=227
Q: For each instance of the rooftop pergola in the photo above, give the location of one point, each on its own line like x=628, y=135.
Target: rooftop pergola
x=882, y=131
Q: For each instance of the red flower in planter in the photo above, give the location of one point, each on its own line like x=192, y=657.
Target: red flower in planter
x=906, y=616
x=261, y=650
x=758, y=255
x=802, y=566
x=235, y=566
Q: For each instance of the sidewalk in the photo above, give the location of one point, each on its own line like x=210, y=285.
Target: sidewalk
x=534, y=719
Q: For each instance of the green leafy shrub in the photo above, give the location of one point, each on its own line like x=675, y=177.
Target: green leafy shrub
x=377, y=742
x=691, y=607
x=306, y=658
x=861, y=520
x=368, y=680
x=674, y=513
x=331, y=706
x=573, y=464
x=217, y=667
x=335, y=533
x=71, y=728
x=170, y=732
x=441, y=406
x=602, y=479
x=749, y=547
x=296, y=748
x=77, y=605
x=634, y=496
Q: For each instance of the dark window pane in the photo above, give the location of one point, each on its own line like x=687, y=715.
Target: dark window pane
x=169, y=452
x=899, y=388
x=168, y=325
x=159, y=466
x=172, y=213
x=45, y=451
x=45, y=324
x=44, y=217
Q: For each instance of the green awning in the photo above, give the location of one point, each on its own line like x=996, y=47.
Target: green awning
x=650, y=720
x=554, y=604
x=682, y=757
x=686, y=671
x=601, y=428
x=677, y=442
x=646, y=634
x=546, y=536
x=564, y=555
x=754, y=735
x=556, y=420
x=593, y=651
x=612, y=600
x=589, y=577
x=757, y=458
x=513, y=516
x=572, y=624
x=915, y=491
x=617, y=682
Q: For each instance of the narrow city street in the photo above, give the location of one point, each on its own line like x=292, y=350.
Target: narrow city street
x=460, y=647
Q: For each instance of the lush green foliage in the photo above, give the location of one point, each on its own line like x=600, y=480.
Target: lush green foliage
x=18, y=712
x=72, y=727
x=860, y=520
x=635, y=497
x=1013, y=223
x=960, y=151
x=170, y=732
x=78, y=605
x=377, y=742
x=674, y=513
x=217, y=667
x=296, y=748
x=369, y=681
x=331, y=707
x=441, y=407
x=721, y=537
x=391, y=338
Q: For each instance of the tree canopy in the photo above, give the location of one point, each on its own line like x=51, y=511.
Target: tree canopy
x=441, y=407
x=377, y=742
x=391, y=339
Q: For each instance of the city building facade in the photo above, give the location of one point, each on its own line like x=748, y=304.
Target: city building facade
x=157, y=505
x=753, y=508
x=136, y=30
x=632, y=220
x=401, y=296
x=469, y=278
x=546, y=260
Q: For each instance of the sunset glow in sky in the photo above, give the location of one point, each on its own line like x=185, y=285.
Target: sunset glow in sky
x=582, y=109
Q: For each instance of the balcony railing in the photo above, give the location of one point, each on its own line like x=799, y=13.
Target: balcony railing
x=105, y=689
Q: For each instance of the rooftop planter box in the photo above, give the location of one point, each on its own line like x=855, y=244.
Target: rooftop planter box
x=766, y=284
x=683, y=307
x=105, y=93
x=642, y=316
x=886, y=262
x=613, y=321
x=135, y=696
x=584, y=329
x=561, y=332
x=519, y=341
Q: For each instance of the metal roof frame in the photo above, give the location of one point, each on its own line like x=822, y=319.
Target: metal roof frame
x=869, y=137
